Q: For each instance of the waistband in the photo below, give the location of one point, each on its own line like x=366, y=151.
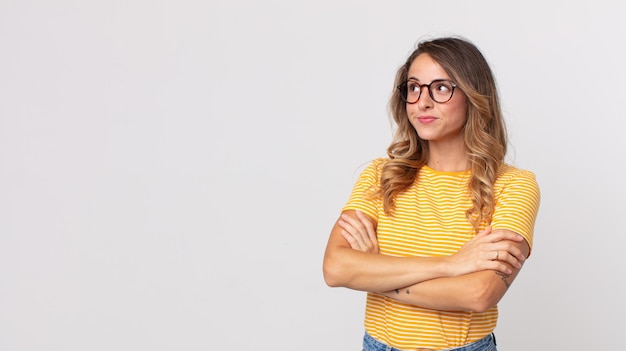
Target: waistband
x=488, y=343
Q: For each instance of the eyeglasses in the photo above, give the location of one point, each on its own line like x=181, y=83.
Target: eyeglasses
x=440, y=90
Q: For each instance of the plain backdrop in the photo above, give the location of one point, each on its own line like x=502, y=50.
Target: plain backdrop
x=170, y=170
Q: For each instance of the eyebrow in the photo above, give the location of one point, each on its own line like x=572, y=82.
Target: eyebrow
x=417, y=79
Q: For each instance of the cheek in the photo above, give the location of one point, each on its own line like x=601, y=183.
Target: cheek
x=461, y=106
x=410, y=112
x=411, y=109
x=458, y=112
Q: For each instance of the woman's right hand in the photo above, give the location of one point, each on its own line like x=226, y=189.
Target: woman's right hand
x=359, y=232
x=498, y=250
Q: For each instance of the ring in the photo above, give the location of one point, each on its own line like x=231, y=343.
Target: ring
x=497, y=255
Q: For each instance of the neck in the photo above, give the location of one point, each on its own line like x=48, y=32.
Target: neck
x=448, y=158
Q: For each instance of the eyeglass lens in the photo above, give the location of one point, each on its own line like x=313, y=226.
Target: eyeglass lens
x=439, y=90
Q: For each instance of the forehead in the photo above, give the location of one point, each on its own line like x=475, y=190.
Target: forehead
x=425, y=69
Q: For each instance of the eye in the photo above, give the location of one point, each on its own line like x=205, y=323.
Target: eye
x=442, y=87
x=412, y=87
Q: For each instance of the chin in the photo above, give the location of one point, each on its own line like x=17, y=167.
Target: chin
x=425, y=136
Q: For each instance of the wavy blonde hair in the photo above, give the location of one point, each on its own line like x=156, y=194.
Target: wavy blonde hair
x=484, y=130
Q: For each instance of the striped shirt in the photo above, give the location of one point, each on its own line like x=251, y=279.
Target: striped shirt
x=429, y=220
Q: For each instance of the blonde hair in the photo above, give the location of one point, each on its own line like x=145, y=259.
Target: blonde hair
x=484, y=130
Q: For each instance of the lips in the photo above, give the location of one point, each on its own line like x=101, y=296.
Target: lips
x=426, y=119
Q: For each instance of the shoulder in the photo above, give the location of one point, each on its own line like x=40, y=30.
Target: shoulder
x=513, y=177
x=375, y=167
x=380, y=162
x=370, y=173
x=510, y=173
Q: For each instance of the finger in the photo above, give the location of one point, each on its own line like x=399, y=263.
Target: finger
x=353, y=243
x=501, y=267
x=358, y=238
x=354, y=222
x=350, y=233
x=348, y=224
x=514, y=257
x=365, y=220
x=488, y=262
x=506, y=252
x=358, y=232
x=490, y=255
x=486, y=231
x=511, y=249
x=498, y=262
x=505, y=235
x=506, y=257
x=371, y=231
x=345, y=225
x=362, y=229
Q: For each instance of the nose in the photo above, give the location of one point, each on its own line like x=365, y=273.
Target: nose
x=424, y=101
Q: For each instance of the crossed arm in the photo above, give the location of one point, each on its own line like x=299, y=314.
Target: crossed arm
x=475, y=278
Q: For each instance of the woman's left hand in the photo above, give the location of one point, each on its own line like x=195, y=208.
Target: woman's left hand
x=359, y=231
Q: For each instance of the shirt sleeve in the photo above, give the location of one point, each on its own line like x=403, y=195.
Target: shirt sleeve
x=361, y=197
x=517, y=204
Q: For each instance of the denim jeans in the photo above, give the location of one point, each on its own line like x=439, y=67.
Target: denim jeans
x=488, y=343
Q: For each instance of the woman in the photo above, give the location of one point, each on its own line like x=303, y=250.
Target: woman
x=437, y=231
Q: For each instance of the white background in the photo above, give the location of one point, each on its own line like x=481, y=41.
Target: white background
x=170, y=170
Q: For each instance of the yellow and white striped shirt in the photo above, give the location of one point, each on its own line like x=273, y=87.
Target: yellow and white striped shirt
x=429, y=220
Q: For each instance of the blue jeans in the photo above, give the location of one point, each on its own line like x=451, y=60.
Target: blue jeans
x=488, y=343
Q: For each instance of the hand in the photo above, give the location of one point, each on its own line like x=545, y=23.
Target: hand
x=359, y=232
x=498, y=251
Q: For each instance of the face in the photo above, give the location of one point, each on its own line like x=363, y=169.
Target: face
x=435, y=122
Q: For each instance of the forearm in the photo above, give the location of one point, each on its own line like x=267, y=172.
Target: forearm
x=357, y=264
x=477, y=292
x=345, y=267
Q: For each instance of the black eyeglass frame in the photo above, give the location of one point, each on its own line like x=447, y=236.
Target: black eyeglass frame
x=403, y=88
